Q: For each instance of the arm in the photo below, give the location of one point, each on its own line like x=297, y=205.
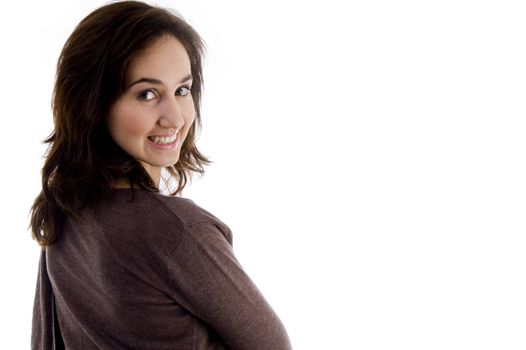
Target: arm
x=45, y=331
x=210, y=283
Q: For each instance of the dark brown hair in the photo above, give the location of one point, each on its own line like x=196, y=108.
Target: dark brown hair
x=82, y=162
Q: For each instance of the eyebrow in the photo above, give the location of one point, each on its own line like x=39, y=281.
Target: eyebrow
x=157, y=81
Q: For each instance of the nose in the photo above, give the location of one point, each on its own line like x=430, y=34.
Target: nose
x=170, y=114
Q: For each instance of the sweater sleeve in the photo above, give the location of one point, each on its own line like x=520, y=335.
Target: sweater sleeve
x=208, y=281
x=45, y=332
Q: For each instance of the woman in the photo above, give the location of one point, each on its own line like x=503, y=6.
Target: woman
x=124, y=266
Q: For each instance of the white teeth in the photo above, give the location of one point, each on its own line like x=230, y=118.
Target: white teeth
x=163, y=140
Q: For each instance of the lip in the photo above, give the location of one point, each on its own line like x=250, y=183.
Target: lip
x=167, y=146
x=163, y=135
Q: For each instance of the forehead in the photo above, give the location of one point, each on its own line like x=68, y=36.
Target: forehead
x=165, y=59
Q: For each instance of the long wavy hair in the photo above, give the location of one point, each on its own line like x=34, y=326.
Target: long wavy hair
x=82, y=162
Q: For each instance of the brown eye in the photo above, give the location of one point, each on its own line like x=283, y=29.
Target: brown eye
x=146, y=95
x=185, y=92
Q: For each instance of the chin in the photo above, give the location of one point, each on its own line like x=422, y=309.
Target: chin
x=163, y=164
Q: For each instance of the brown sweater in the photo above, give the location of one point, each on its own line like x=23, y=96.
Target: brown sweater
x=149, y=272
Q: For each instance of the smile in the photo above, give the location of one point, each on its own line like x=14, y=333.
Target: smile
x=163, y=140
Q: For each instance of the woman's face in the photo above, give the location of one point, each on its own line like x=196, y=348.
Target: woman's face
x=151, y=119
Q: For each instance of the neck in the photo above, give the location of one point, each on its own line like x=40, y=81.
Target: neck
x=124, y=183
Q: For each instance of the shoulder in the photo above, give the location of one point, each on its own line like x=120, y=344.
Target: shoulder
x=192, y=216
x=185, y=209
x=158, y=214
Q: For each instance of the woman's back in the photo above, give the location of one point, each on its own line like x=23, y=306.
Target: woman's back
x=150, y=272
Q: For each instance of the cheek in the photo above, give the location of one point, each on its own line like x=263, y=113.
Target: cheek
x=189, y=113
x=126, y=121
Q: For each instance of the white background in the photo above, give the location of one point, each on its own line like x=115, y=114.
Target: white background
x=369, y=159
